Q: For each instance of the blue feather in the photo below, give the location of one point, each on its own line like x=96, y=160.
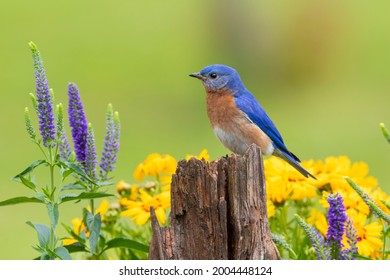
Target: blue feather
x=247, y=103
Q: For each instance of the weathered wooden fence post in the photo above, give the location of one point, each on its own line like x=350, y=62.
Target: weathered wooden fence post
x=218, y=211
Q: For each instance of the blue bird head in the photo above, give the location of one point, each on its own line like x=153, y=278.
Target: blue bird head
x=217, y=77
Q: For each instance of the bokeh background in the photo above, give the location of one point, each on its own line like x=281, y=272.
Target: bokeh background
x=320, y=69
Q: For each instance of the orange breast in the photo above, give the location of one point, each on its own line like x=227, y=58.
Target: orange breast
x=232, y=126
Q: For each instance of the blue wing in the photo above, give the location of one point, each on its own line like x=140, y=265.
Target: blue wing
x=247, y=103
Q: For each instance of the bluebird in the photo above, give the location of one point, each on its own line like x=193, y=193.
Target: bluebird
x=237, y=118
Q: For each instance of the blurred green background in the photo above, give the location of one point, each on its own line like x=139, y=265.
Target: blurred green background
x=320, y=69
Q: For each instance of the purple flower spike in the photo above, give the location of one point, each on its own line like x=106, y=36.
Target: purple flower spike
x=78, y=123
x=44, y=100
x=111, y=143
x=336, y=220
x=90, y=160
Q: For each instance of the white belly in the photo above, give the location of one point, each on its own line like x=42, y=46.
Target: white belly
x=238, y=143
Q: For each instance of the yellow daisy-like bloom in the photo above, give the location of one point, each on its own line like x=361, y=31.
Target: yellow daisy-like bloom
x=369, y=236
x=139, y=211
x=284, y=182
x=333, y=170
x=203, y=154
x=155, y=165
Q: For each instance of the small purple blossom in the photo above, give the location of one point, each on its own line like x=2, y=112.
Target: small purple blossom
x=318, y=242
x=90, y=159
x=44, y=100
x=65, y=149
x=111, y=143
x=352, y=240
x=78, y=123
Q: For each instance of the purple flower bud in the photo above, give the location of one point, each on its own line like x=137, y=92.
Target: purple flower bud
x=44, y=100
x=78, y=123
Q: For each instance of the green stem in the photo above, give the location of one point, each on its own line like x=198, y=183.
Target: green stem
x=284, y=220
x=92, y=203
x=384, y=239
x=43, y=152
x=52, y=197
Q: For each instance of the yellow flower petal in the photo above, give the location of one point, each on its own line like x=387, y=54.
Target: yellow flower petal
x=103, y=207
x=142, y=218
x=68, y=241
x=160, y=214
x=139, y=172
x=271, y=210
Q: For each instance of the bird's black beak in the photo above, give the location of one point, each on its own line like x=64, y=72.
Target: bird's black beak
x=196, y=75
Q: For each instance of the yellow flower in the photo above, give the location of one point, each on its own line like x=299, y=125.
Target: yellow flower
x=139, y=211
x=155, y=165
x=369, y=236
x=103, y=207
x=78, y=227
x=318, y=220
x=203, y=154
x=333, y=170
x=284, y=182
x=271, y=210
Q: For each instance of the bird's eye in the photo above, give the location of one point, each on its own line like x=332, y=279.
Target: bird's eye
x=213, y=75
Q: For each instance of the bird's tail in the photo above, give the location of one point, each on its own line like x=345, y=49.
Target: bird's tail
x=293, y=163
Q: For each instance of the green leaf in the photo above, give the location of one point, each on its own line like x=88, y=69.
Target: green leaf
x=387, y=204
x=43, y=233
x=28, y=183
x=20, y=199
x=52, y=209
x=62, y=253
x=46, y=192
x=66, y=173
x=123, y=242
x=76, y=247
x=76, y=169
x=79, y=238
x=84, y=195
x=105, y=184
x=30, y=168
x=73, y=187
x=385, y=132
x=93, y=224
